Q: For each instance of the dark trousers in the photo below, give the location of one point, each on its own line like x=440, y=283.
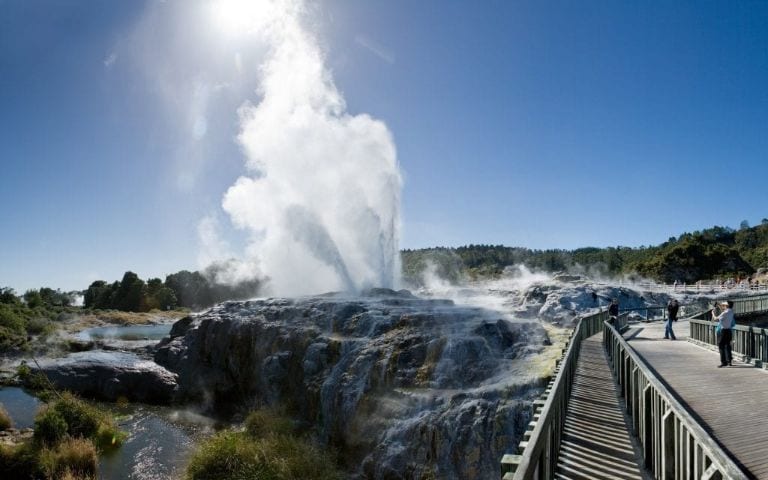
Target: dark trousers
x=725, y=346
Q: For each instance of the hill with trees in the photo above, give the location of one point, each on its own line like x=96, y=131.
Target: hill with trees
x=714, y=253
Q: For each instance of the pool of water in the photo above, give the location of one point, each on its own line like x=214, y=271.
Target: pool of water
x=20, y=405
x=159, y=442
x=128, y=333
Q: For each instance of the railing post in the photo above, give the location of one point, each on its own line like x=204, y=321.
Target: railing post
x=668, y=445
x=648, y=426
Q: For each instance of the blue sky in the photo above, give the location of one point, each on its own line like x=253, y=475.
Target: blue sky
x=553, y=124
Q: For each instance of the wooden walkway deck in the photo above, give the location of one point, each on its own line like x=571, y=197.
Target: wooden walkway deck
x=596, y=442
x=731, y=403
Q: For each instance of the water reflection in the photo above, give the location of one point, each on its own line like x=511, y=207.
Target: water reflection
x=20, y=405
x=160, y=440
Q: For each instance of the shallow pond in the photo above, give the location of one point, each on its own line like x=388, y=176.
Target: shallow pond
x=20, y=405
x=128, y=333
x=159, y=442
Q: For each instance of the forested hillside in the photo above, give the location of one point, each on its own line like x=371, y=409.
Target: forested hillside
x=714, y=253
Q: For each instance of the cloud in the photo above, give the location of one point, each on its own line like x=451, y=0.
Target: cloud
x=375, y=48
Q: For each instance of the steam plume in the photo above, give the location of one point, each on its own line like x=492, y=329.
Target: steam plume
x=322, y=194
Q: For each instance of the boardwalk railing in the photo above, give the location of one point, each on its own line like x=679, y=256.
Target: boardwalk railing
x=698, y=287
x=751, y=343
x=673, y=444
x=541, y=443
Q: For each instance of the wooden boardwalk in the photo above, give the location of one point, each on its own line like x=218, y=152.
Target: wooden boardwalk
x=731, y=403
x=596, y=442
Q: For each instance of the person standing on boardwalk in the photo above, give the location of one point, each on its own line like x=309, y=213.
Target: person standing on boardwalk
x=672, y=308
x=725, y=323
x=613, y=311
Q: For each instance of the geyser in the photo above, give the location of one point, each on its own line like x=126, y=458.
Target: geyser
x=321, y=198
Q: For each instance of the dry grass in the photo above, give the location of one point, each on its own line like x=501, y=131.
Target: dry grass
x=5, y=419
x=100, y=318
x=74, y=458
x=268, y=449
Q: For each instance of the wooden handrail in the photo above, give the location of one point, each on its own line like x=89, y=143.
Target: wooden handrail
x=538, y=457
x=673, y=443
x=750, y=343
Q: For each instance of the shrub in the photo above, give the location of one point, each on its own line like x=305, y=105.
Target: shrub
x=82, y=419
x=73, y=458
x=18, y=461
x=79, y=420
x=266, y=422
x=266, y=450
x=5, y=419
x=227, y=455
x=108, y=437
x=50, y=426
x=39, y=325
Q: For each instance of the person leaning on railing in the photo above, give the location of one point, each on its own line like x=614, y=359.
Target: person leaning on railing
x=613, y=311
x=725, y=323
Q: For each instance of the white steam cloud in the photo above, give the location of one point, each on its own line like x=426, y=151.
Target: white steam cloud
x=322, y=196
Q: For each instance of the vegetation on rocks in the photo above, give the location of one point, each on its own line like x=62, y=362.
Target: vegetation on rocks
x=269, y=449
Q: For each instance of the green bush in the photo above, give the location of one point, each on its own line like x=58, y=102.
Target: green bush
x=79, y=420
x=39, y=325
x=228, y=455
x=82, y=419
x=266, y=422
x=50, y=426
x=5, y=419
x=73, y=458
x=266, y=450
x=18, y=461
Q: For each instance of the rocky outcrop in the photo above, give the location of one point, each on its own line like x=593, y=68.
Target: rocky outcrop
x=404, y=387
x=111, y=375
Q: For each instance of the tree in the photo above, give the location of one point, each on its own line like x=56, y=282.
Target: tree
x=33, y=299
x=130, y=293
x=8, y=296
x=99, y=295
x=744, y=225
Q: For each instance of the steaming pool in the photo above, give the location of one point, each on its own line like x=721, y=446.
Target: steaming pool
x=159, y=442
x=126, y=333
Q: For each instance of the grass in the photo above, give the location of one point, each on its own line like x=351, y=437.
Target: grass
x=69, y=416
x=69, y=435
x=73, y=458
x=268, y=449
x=5, y=419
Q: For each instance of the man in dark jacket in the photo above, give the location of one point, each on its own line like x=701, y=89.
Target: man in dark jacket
x=613, y=311
x=672, y=308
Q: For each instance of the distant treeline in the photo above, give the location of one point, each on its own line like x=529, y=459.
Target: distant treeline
x=184, y=289
x=714, y=253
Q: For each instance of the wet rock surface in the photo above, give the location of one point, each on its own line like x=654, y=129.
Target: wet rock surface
x=404, y=387
x=111, y=375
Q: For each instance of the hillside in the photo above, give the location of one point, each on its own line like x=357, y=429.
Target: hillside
x=715, y=253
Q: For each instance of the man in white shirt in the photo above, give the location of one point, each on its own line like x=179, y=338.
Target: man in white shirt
x=726, y=321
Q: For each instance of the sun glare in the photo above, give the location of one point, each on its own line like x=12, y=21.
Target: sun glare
x=238, y=17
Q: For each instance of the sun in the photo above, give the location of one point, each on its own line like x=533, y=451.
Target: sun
x=239, y=17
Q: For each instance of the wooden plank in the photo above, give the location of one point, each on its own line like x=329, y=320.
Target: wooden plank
x=596, y=441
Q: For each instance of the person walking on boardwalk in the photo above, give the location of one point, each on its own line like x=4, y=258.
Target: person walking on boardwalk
x=672, y=308
x=725, y=323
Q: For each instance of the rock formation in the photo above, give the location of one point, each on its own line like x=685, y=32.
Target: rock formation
x=403, y=387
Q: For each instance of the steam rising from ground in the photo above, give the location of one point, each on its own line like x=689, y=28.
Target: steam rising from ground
x=321, y=199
